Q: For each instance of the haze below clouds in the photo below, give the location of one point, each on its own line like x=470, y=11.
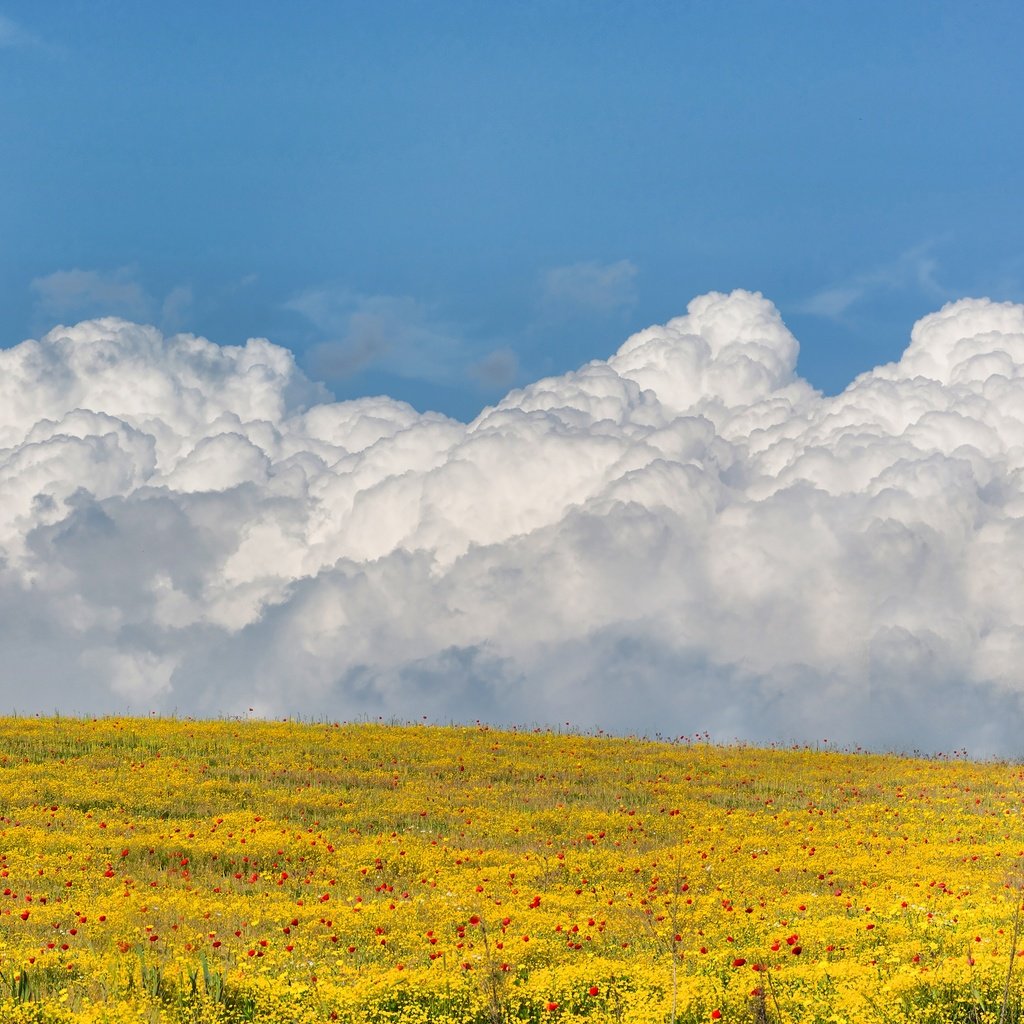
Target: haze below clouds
x=686, y=536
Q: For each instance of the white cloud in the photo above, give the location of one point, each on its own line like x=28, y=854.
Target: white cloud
x=914, y=270
x=396, y=332
x=684, y=536
x=833, y=302
x=175, y=308
x=590, y=286
x=74, y=294
x=89, y=292
x=496, y=370
x=12, y=34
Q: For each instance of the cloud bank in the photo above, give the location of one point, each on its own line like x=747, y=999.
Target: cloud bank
x=686, y=536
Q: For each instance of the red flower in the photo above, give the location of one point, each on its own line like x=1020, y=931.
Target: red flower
x=551, y=1007
x=716, y=1014
x=593, y=990
x=738, y=962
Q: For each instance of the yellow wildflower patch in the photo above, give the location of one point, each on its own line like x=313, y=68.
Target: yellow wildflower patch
x=226, y=871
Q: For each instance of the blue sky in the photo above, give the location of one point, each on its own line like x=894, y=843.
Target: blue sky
x=440, y=200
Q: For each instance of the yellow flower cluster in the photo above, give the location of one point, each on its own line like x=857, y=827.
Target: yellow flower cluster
x=226, y=871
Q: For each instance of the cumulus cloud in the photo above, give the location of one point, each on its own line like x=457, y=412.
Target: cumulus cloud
x=686, y=536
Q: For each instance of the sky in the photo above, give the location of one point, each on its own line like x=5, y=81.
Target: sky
x=436, y=201
x=535, y=363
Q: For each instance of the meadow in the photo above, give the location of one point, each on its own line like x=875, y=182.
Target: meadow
x=157, y=870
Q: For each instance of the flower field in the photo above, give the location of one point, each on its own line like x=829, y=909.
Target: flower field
x=165, y=870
